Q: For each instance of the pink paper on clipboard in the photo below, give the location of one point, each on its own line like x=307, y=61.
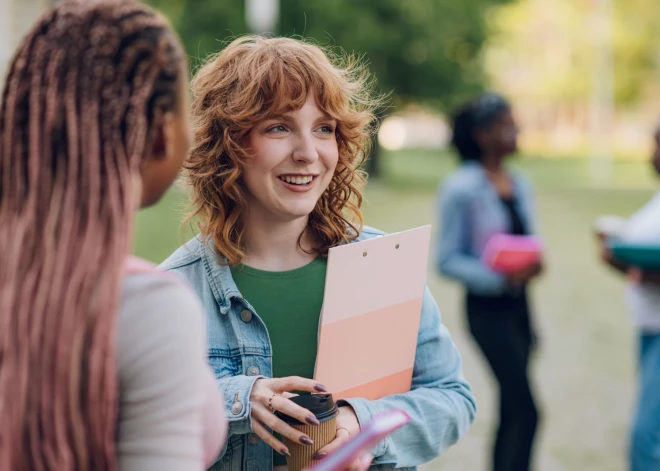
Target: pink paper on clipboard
x=370, y=315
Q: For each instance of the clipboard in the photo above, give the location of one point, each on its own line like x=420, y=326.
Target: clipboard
x=370, y=316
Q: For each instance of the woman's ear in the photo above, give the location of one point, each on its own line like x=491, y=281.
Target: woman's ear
x=483, y=138
x=163, y=143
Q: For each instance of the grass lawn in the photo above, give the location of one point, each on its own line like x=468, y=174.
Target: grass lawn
x=585, y=371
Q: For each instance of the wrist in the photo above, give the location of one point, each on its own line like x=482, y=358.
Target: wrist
x=348, y=420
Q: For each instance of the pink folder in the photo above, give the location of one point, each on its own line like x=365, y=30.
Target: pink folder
x=507, y=253
x=370, y=316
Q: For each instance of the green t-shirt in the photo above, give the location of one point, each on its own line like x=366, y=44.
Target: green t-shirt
x=289, y=303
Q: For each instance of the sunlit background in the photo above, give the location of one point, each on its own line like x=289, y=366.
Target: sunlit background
x=583, y=78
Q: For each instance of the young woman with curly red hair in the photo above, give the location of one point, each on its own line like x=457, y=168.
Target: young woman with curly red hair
x=281, y=129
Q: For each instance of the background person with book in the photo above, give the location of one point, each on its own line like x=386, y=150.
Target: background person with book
x=642, y=231
x=481, y=200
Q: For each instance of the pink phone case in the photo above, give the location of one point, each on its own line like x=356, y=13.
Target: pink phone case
x=508, y=253
x=375, y=431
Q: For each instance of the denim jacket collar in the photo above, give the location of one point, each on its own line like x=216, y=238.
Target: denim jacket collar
x=219, y=274
x=479, y=171
x=222, y=283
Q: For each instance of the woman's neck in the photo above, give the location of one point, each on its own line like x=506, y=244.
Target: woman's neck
x=493, y=164
x=498, y=176
x=273, y=246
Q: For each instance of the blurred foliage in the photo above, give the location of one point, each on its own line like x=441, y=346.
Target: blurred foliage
x=424, y=51
x=546, y=50
x=636, y=54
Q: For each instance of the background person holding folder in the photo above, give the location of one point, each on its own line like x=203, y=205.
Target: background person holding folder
x=643, y=295
x=281, y=130
x=480, y=199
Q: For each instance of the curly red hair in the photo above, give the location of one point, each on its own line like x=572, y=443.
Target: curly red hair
x=251, y=80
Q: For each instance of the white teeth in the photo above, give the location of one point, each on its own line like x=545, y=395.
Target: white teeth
x=297, y=180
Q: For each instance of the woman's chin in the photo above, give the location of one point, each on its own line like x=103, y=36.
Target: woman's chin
x=298, y=215
x=298, y=210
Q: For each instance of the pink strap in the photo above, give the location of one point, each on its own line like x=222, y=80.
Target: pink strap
x=214, y=432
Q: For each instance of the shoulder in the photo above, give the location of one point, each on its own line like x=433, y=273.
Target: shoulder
x=188, y=254
x=462, y=181
x=653, y=205
x=157, y=310
x=369, y=232
x=158, y=296
x=520, y=177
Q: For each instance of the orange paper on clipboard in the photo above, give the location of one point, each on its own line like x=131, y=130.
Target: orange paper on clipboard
x=370, y=316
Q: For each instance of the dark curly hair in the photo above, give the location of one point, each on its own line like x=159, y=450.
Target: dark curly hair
x=479, y=114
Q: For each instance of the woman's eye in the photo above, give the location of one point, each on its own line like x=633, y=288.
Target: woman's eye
x=327, y=129
x=277, y=128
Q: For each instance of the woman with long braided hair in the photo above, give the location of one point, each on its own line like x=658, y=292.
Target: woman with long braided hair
x=100, y=369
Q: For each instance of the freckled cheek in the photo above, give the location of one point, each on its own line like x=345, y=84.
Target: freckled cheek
x=332, y=165
x=330, y=156
x=270, y=155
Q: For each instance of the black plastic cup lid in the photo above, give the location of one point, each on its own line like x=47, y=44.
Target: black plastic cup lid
x=321, y=405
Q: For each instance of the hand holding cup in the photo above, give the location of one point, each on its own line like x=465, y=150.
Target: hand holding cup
x=273, y=395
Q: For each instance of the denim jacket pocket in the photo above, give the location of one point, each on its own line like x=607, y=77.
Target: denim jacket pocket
x=224, y=362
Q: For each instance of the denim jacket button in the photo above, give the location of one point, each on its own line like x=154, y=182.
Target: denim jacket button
x=237, y=408
x=253, y=438
x=246, y=316
x=253, y=371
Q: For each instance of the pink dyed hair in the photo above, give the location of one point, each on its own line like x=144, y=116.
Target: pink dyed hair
x=84, y=95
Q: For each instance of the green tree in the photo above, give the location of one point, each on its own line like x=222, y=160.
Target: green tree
x=204, y=24
x=421, y=51
x=545, y=50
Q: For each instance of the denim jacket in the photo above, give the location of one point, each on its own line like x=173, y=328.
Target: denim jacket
x=440, y=403
x=471, y=212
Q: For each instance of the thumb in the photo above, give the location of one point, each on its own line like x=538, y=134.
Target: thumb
x=366, y=460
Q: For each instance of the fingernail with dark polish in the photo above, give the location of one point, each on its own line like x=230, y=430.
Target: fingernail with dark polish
x=285, y=452
x=305, y=440
x=311, y=420
x=320, y=388
x=319, y=455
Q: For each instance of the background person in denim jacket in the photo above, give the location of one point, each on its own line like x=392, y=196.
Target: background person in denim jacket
x=481, y=198
x=280, y=134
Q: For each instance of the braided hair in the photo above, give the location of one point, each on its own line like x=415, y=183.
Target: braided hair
x=85, y=94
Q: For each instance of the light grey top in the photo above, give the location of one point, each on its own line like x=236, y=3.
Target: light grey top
x=163, y=376
x=644, y=298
